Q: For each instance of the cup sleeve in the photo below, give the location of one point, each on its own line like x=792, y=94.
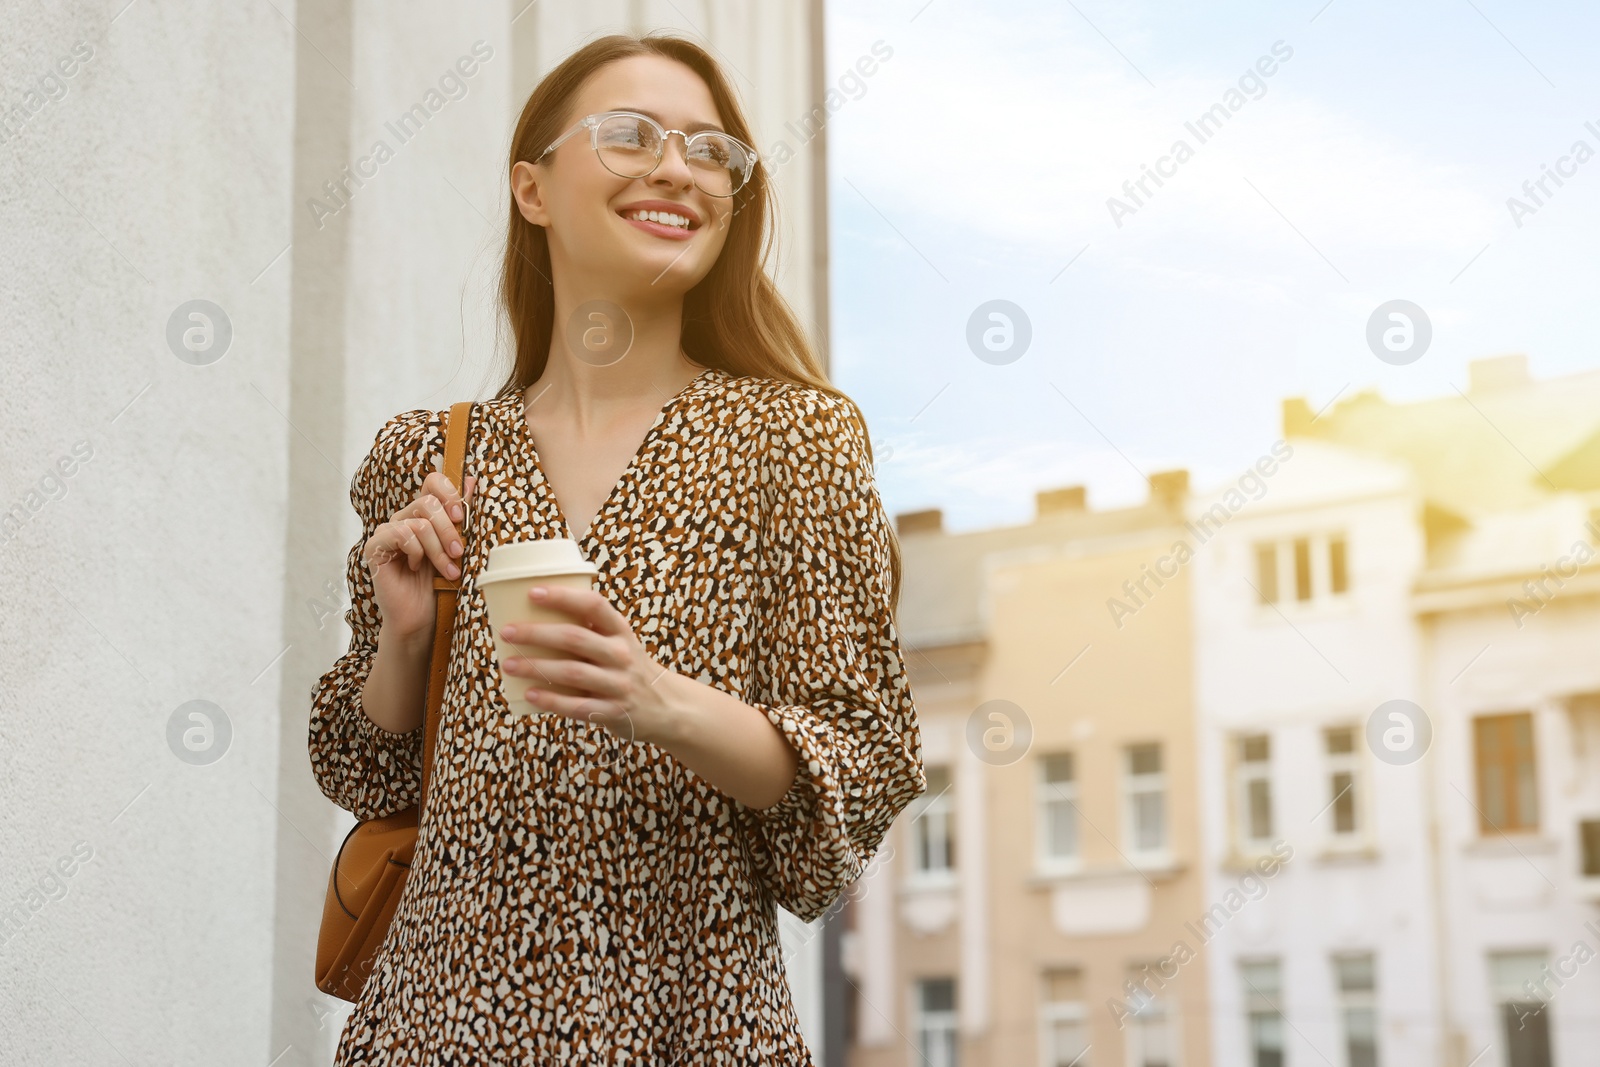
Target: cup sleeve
x=357, y=764
x=827, y=664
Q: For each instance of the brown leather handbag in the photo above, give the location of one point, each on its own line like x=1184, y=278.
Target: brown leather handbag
x=369, y=873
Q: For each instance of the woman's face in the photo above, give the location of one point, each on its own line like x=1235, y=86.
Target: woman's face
x=585, y=208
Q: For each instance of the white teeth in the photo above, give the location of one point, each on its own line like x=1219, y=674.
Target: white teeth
x=666, y=218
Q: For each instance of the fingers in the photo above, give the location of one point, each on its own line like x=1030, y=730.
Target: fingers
x=439, y=535
x=443, y=510
x=438, y=486
x=425, y=530
x=588, y=607
x=389, y=541
x=576, y=641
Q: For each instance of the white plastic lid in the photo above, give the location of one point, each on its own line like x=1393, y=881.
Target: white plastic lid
x=535, y=559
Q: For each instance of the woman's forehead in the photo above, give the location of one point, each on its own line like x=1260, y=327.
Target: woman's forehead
x=662, y=88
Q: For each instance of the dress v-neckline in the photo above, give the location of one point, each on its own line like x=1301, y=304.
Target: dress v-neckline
x=519, y=414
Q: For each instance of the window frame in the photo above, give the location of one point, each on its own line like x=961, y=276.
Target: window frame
x=1053, y=1012
x=1136, y=785
x=1505, y=771
x=1510, y=1000
x=1052, y=797
x=1245, y=772
x=936, y=1022
x=1170, y=1019
x=1254, y=998
x=1356, y=1000
x=941, y=806
x=1279, y=587
x=1353, y=764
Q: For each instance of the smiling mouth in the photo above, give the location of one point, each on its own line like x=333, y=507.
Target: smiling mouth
x=665, y=220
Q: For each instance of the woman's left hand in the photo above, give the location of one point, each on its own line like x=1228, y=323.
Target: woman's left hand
x=627, y=691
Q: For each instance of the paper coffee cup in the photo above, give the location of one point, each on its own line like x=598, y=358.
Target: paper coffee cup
x=512, y=570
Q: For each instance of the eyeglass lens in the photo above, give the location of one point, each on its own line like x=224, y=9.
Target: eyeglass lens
x=631, y=148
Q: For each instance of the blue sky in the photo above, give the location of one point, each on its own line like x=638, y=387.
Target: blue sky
x=1373, y=164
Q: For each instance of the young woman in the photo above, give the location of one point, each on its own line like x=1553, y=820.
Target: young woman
x=598, y=884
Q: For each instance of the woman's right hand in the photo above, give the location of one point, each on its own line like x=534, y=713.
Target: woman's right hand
x=403, y=555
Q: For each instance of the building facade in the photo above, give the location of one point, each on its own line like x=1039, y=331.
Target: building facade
x=1034, y=900
x=1302, y=769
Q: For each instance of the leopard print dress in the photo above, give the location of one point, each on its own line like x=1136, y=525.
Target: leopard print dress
x=579, y=899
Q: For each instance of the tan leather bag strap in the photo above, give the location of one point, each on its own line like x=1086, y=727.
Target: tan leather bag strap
x=446, y=591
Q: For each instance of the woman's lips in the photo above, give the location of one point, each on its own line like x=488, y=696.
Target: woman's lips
x=672, y=233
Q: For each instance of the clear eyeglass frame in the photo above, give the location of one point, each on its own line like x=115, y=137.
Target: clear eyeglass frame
x=592, y=124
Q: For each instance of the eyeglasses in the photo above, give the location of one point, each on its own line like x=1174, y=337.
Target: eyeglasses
x=631, y=145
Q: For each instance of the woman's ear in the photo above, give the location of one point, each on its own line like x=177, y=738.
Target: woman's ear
x=525, y=190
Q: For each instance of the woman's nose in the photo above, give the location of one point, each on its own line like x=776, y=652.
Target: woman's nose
x=674, y=166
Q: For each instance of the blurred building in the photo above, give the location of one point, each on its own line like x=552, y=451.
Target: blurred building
x=1322, y=928
x=1506, y=607
x=1304, y=768
x=1030, y=906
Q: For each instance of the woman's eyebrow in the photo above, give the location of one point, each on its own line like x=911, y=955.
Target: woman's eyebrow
x=693, y=127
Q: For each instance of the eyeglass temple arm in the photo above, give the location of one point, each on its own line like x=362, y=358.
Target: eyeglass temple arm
x=582, y=124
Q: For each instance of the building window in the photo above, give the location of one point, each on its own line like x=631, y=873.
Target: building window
x=1263, y=1019
x=1589, y=847
x=1338, y=567
x=1064, y=1016
x=1302, y=569
x=1057, y=806
x=1297, y=563
x=935, y=1024
x=1344, y=780
x=1508, y=794
x=1151, y=1041
x=1253, y=769
x=1145, y=795
x=933, y=828
x=1524, y=1016
x=1267, y=573
x=1358, y=1007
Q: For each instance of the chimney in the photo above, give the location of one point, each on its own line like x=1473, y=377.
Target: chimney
x=915, y=522
x=1169, y=488
x=1297, y=416
x=1497, y=372
x=1052, y=501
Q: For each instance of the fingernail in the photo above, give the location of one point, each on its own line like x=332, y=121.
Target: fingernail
x=453, y=572
x=455, y=548
x=455, y=512
x=540, y=592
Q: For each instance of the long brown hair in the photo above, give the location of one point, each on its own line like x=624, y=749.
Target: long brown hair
x=735, y=319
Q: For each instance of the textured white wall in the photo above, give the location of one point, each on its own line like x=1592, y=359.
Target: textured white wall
x=158, y=174
x=176, y=520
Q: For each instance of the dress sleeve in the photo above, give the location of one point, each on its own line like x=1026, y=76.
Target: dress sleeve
x=358, y=765
x=827, y=667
